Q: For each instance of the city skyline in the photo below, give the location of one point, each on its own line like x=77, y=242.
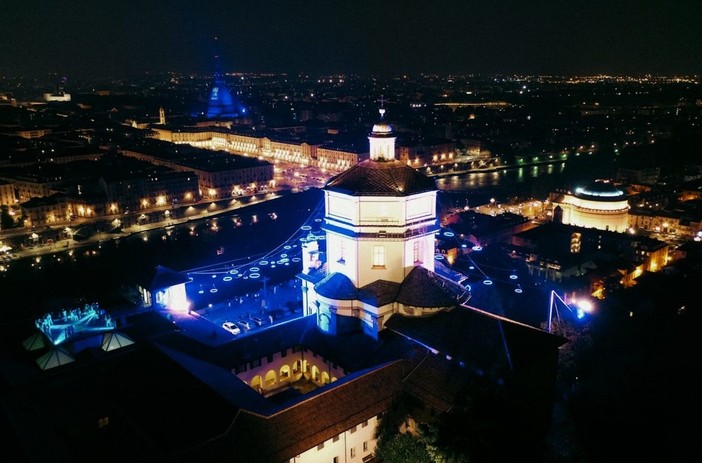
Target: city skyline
x=123, y=38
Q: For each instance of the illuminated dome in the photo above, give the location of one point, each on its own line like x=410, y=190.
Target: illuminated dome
x=382, y=128
x=600, y=190
x=600, y=205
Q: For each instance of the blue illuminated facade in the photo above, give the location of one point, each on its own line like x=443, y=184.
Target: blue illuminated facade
x=221, y=102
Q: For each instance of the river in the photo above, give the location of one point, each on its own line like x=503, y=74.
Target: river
x=477, y=188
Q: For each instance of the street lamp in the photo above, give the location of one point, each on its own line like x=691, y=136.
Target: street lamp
x=582, y=307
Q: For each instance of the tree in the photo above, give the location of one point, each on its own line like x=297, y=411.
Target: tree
x=6, y=220
x=402, y=448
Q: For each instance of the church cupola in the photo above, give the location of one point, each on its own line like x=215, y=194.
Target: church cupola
x=382, y=140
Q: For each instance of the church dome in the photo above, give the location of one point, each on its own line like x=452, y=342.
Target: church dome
x=382, y=129
x=600, y=190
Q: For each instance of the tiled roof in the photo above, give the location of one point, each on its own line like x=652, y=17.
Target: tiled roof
x=422, y=288
x=378, y=293
x=483, y=342
x=336, y=286
x=328, y=412
x=381, y=178
x=438, y=382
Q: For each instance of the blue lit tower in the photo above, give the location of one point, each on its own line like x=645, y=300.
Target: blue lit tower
x=221, y=103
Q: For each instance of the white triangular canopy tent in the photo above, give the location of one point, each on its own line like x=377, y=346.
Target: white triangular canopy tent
x=54, y=358
x=34, y=342
x=114, y=340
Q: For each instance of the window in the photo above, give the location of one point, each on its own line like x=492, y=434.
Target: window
x=378, y=256
x=342, y=252
x=335, y=460
x=365, y=446
x=417, y=252
x=320, y=446
x=364, y=424
x=352, y=452
x=353, y=430
x=336, y=438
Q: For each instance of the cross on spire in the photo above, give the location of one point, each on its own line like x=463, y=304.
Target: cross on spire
x=381, y=110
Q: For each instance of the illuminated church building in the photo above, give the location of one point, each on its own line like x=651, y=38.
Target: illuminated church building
x=598, y=205
x=380, y=221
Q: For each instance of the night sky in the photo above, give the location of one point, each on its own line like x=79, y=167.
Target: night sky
x=124, y=37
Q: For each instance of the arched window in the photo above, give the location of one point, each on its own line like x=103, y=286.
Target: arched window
x=271, y=378
x=284, y=373
x=256, y=383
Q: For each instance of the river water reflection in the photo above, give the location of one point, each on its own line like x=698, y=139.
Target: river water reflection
x=530, y=181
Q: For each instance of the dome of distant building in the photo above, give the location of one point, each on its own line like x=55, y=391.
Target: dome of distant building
x=599, y=204
x=600, y=190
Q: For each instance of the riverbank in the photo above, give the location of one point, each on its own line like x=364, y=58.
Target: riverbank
x=488, y=169
x=16, y=238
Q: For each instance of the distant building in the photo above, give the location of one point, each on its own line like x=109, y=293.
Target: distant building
x=57, y=96
x=484, y=229
x=270, y=146
x=555, y=251
x=598, y=205
x=219, y=174
x=643, y=175
x=427, y=151
x=221, y=103
x=47, y=210
x=7, y=193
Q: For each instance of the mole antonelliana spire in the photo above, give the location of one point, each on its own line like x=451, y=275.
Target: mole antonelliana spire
x=221, y=102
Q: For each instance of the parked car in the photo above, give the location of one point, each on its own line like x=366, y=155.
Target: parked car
x=258, y=321
x=243, y=324
x=231, y=327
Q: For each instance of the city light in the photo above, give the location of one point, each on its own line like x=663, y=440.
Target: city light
x=579, y=307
